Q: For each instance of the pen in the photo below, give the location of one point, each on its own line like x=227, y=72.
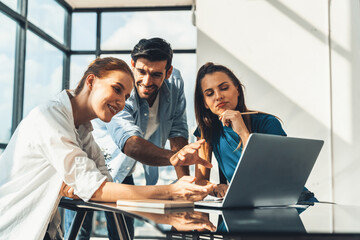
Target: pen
x=247, y=113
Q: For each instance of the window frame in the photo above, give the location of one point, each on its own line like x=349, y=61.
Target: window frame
x=23, y=24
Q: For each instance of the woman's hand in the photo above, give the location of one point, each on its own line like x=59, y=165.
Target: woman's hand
x=233, y=119
x=184, y=189
x=67, y=191
x=220, y=190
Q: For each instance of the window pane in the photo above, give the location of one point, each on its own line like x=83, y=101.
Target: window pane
x=49, y=16
x=122, y=30
x=7, y=60
x=78, y=66
x=11, y=4
x=186, y=64
x=83, y=35
x=125, y=57
x=43, y=72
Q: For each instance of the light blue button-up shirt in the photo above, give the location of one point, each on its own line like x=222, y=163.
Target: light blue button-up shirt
x=132, y=121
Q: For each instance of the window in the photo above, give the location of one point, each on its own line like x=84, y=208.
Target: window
x=7, y=62
x=43, y=72
x=49, y=16
x=122, y=30
x=125, y=57
x=34, y=72
x=78, y=66
x=186, y=63
x=83, y=35
x=11, y=4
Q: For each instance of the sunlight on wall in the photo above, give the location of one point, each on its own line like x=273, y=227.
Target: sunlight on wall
x=342, y=71
x=284, y=46
x=279, y=51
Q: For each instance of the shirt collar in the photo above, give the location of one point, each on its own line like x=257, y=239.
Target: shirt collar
x=64, y=98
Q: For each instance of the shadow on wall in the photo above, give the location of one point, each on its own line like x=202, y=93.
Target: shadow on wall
x=262, y=96
x=307, y=26
x=345, y=85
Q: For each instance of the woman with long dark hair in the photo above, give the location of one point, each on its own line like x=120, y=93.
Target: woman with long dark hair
x=225, y=122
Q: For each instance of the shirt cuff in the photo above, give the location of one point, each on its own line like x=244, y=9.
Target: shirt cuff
x=88, y=178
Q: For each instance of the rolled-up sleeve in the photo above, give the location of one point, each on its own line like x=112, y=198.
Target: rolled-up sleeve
x=179, y=126
x=63, y=149
x=122, y=126
x=96, y=154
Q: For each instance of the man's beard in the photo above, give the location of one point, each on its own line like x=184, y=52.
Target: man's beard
x=152, y=94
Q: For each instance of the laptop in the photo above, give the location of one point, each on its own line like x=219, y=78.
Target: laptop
x=272, y=171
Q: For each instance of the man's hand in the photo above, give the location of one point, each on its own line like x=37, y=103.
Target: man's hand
x=67, y=191
x=189, y=155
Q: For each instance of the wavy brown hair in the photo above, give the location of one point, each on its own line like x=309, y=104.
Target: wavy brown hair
x=207, y=121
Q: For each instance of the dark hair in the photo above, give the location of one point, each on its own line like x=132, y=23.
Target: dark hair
x=208, y=122
x=100, y=67
x=153, y=49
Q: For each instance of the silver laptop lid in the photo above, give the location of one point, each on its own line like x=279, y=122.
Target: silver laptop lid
x=272, y=171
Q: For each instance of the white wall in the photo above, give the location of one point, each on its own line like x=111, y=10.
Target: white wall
x=281, y=52
x=345, y=70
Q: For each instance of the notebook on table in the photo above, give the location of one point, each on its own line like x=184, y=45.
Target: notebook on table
x=155, y=203
x=272, y=171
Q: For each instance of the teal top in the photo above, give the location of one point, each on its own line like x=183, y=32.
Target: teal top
x=225, y=142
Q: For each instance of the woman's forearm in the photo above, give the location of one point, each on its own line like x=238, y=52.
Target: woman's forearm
x=110, y=192
x=202, y=174
x=183, y=189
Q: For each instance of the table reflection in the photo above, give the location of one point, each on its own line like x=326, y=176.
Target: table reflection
x=181, y=221
x=226, y=221
x=262, y=220
x=326, y=219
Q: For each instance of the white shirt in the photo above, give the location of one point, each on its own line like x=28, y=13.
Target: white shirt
x=153, y=122
x=45, y=150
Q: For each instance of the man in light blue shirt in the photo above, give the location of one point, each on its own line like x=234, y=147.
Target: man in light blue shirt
x=154, y=113
x=136, y=130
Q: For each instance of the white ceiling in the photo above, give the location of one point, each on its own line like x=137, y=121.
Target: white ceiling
x=126, y=3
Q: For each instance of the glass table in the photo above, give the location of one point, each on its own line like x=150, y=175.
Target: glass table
x=320, y=221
